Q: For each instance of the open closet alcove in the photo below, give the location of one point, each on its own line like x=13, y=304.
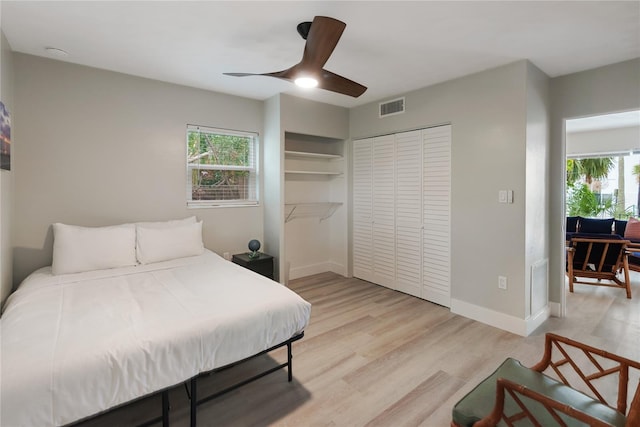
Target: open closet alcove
x=315, y=189
x=305, y=180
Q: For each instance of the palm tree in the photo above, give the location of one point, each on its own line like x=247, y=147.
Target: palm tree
x=573, y=172
x=596, y=168
x=591, y=169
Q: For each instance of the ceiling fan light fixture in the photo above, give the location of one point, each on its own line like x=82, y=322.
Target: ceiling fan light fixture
x=306, y=82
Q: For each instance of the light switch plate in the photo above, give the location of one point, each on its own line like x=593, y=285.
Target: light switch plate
x=502, y=196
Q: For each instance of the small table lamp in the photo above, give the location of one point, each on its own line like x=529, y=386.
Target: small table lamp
x=254, y=245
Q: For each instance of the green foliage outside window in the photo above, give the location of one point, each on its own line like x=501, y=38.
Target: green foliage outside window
x=221, y=165
x=583, y=202
x=219, y=149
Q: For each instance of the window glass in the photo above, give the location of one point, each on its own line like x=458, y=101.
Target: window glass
x=221, y=167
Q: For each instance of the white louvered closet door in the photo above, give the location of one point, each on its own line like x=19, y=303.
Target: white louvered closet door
x=383, y=212
x=362, y=209
x=436, y=281
x=408, y=212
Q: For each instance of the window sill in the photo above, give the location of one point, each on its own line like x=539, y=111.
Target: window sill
x=213, y=205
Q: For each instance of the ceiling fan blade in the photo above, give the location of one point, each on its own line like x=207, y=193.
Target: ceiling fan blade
x=321, y=40
x=285, y=74
x=241, y=74
x=335, y=83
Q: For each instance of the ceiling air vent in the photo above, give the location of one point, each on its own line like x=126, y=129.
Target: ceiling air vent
x=390, y=108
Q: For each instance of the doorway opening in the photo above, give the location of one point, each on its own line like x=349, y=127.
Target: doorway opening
x=602, y=178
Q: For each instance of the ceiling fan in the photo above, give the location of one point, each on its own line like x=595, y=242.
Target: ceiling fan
x=322, y=36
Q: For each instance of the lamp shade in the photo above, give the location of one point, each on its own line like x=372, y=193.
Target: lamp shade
x=254, y=245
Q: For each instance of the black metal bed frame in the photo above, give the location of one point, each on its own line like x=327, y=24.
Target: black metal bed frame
x=191, y=386
x=192, y=389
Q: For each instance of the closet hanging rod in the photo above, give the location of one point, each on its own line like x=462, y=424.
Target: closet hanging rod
x=321, y=210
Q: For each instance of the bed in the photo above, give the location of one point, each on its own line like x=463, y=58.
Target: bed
x=77, y=344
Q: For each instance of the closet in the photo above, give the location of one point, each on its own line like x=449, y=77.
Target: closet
x=315, y=218
x=401, y=212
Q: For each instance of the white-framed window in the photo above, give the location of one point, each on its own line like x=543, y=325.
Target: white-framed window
x=221, y=167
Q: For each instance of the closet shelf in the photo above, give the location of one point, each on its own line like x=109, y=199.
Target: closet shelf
x=305, y=154
x=307, y=172
x=322, y=210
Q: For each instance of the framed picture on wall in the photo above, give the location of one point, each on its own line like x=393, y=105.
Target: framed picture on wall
x=5, y=138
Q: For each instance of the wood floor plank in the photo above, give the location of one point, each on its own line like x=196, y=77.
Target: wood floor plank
x=413, y=407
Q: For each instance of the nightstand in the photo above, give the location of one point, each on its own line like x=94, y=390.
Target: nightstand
x=262, y=264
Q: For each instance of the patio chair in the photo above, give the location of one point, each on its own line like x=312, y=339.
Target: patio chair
x=516, y=395
x=599, y=258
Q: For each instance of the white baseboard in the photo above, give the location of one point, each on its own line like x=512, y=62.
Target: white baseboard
x=537, y=319
x=338, y=268
x=499, y=320
x=321, y=267
x=555, y=309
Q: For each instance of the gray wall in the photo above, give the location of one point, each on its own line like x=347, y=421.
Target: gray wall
x=488, y=116
x=97, y=148
x=536, y=220
x=273, y=174
x=610, y=89
x=307, y=117
x=6, y=177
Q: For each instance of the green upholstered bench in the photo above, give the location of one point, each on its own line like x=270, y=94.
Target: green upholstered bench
x=514, y=392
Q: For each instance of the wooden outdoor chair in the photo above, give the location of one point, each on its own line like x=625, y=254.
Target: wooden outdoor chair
x=600, y=259
x=515, y=395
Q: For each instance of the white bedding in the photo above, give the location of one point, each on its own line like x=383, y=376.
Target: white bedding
x=77, y=344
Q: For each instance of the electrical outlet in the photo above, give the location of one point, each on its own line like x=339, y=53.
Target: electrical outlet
x=502, y=282
x=226, y=256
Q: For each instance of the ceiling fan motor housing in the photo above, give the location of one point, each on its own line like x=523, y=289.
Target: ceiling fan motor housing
x=303, y=29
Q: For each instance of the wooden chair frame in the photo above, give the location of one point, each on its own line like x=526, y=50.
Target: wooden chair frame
x=632, y=248
x=601, y=271
x=554, y=407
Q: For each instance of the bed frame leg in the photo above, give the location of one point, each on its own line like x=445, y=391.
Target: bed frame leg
x=289, y=360
x=165, y=408
x=194, y=401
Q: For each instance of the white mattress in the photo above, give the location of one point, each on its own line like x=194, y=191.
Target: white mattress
x=77, y=344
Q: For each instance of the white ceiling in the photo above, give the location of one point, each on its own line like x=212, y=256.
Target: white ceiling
x=390, y=46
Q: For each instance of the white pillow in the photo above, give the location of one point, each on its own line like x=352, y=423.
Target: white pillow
x=168, y=224
x=162, y=244
x=77, y=249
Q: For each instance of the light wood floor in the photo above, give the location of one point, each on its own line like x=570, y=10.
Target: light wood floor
x=375, y=357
